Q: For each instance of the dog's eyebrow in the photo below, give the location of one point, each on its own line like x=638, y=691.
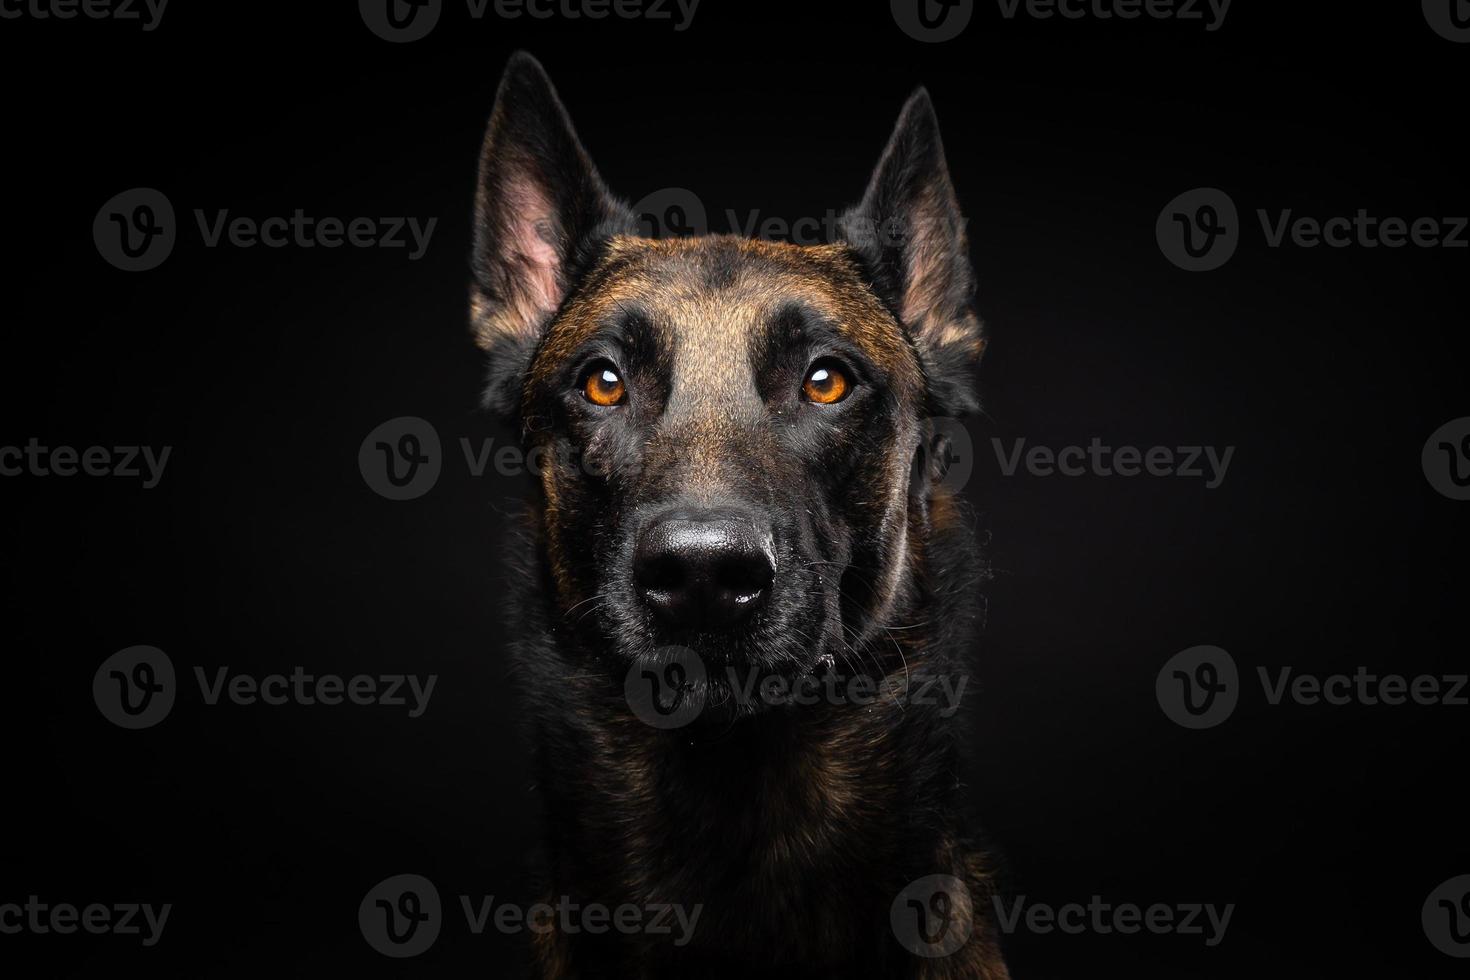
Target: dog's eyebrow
x=630, y=327
x=796, y=321
x=625, y=325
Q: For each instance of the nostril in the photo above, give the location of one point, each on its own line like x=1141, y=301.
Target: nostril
x=745, y=575
x=661, y=573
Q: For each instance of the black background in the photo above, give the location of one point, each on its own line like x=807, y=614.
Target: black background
x=1324, y=549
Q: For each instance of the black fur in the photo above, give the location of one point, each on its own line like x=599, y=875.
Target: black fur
x=792, y=826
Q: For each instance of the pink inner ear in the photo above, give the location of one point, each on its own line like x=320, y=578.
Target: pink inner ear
x=529, y=245
x=929, y=270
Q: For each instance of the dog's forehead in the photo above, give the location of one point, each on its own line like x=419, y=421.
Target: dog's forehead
x=714, y=298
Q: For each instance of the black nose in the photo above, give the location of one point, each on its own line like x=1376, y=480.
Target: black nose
x=703, y=570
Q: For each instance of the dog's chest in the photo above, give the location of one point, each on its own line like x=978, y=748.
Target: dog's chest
x=782, y=836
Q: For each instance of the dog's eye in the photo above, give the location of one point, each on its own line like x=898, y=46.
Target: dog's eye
x=604, y=386
x=826, y=383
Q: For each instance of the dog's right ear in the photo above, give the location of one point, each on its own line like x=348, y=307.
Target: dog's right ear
x=540, y=212
x=909, y=233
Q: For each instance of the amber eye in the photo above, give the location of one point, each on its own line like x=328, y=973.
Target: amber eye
x=826, y=383
x=603, y=386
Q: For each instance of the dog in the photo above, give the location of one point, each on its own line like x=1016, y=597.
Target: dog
x=738, y=439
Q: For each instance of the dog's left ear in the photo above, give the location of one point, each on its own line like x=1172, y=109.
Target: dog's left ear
x=540, y=212
x=910, y=236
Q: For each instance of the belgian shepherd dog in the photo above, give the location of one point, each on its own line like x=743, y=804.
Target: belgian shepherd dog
x=738, y=494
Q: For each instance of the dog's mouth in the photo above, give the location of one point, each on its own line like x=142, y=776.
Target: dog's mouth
x=794, y=647
x=744, y=611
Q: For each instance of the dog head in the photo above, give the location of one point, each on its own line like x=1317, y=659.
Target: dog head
x=732, y=434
